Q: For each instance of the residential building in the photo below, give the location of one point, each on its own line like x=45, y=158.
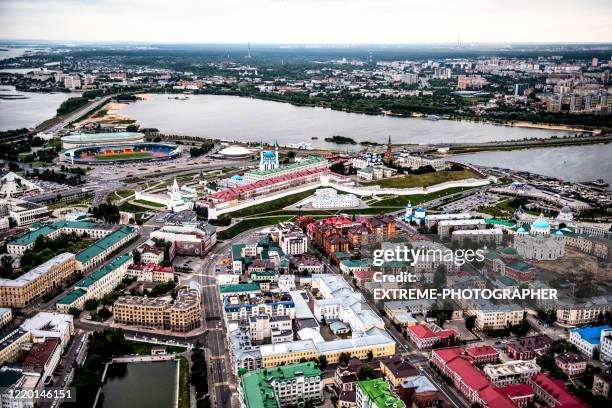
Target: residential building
x=13, y=379
x=12, y=345
x=6, y=315
x=511, y=372
x=376, y=393
x=571, y=363
x=98, y=252
x=397, y=369
x=181, y=315
x=482, y=354
x=587, y=339
x=553, y=393
x=151, y=272
x=43, y=357
x=190, y=238
x=602, y=384
x=528, y=348
x=45, y=325
x=96, y=285
x=605, y=346
x=23, y=290
x=282, y=386
x=425, y=337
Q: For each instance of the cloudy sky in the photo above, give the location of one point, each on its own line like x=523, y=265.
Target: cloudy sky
x=308, y=21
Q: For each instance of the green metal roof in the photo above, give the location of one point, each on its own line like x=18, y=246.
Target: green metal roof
x=9, y=377
x=71, y=297
x=29, y=237
x=258, y=384
x=237, y=251
x=520, y=266
x=240, y=287
x=103, y=244
x=379, y=393
x=352, y=264
x=307, y=161
x=102, y=272
x=500, y=222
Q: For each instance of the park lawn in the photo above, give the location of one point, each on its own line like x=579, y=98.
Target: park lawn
x=124, y=193
x=424, y=180
x=124, y=156
x=246, y=225
x=149, y=203
x=401, y=201
x=184, y=399
x=127, y=207
x=273, y=205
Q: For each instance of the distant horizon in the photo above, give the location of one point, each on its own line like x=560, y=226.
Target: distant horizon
x=308, y=21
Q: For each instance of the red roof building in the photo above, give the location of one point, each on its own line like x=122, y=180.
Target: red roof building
x=43, y=357
x=424, y=337
x=482, y=354
x=468, y=379
x=520, y=394
x=553, y=392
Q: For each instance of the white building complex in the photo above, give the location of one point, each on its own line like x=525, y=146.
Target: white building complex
x=176, y=200
x=329, y=198
x=538, y=243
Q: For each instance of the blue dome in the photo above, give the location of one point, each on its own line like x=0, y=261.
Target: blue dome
x=540, y=223
x=269, y=154
x=521, y=230
x=559, y=233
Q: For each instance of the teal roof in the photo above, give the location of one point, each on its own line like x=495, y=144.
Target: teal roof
x=352, y=264
x=237, y=251
x=520, y=266
x=102, y=272
x=508, y=281
x=103, y=244
x=30, y=237
x=499, y=222
x=340, y=255
x=509, y=251
x=258, y=384
x=9, y=377
x=540, y=223
x=79, y=137
x=71, y=297
x=239, y=287
x=307, y=161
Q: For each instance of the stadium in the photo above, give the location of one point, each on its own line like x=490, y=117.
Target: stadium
x=121, y=153
x=100, y=139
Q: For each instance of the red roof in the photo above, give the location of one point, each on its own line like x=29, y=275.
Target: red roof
x=483, y=350
x=495, y=399
x=556, y=388
x=40, y=353
x=364, y=275
x=470, y=375
x=517, y=390
x=424, y=332
x=448, y=353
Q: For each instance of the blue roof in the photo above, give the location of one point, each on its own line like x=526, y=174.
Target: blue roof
x=591, y=333
x=540, y=223
x=268, y=154
x=521, y=230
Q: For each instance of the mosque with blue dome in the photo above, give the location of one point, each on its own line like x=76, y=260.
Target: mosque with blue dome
x=268, y=159
x=536, y=241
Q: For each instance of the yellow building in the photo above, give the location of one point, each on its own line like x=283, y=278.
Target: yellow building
x=44, y=278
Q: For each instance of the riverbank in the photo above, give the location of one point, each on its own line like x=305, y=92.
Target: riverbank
x=529, y=144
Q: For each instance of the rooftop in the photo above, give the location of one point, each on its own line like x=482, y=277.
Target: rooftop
x=379, y=392
x=103, y=244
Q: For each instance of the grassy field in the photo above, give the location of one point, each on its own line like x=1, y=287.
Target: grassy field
x=401, y=201
x=149, y=203
x=184, y=400
x=274, y=205
x=424, y=180
x=251, y=223
x=124, y=156
x=144, y=349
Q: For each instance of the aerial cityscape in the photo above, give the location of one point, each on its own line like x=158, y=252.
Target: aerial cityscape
x=279, y=204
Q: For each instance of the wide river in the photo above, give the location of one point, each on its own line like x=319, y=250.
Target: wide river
x=573, y=163
x=30, y=109
x=248, y=119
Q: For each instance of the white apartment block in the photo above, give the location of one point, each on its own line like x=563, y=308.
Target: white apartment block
x=511, y=372
x=605, y=346
x=414, y=162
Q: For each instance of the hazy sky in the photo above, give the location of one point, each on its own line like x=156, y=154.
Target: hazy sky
x=308, y=21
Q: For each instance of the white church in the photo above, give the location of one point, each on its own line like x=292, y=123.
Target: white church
x=176, y=200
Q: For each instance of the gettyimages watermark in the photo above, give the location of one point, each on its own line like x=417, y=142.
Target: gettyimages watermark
x=469, y=273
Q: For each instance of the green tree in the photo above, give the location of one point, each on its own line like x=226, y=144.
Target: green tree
x=91, y=304
x=366, y=372
x=344, y=357
x=470, y=322
x=75, y=312
x=370, y=355
x=323, y=362
x=136, y=256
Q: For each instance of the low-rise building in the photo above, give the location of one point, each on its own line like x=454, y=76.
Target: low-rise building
x=511, y=372
x=376, y=393
x=6, y=315
x=424, y=337
x=528, y=348
x=98, y=252
x=45, y=278
x=571, y=363
x=96, y=285
x=11, y=346
x=482, y=354
x=13, y=379
x=587, y=338
x=190, y=238
x=43, y=357
x=605, y=346
x=397, y=369
x=45, y=325
x=181, y=315
x=151, y=272
x=553, y=393
x=283, y=386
